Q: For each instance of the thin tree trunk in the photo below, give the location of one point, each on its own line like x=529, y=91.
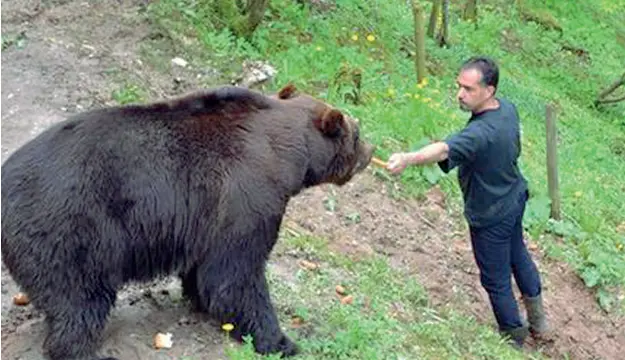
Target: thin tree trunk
x=470, y=11
x=241, y=19
x=419, y=34
x=443, y=35
x=436, y=9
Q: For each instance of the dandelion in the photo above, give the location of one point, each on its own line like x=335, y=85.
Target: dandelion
x=416, y=96
x=227, y=327
x=391, y=92
x=318, y=48
x=578, y=194
x=370, y=38
x=355, y=37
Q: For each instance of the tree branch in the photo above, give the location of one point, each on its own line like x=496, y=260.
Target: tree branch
x=611, y=88
x=610, y=101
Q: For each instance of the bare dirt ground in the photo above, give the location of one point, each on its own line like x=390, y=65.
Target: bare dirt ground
x=70, y=58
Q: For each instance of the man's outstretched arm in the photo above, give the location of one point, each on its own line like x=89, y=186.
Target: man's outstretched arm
x=428, y=154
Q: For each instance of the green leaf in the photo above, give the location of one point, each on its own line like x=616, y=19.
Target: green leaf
x=432, y=173
x=591, y=276
x=606, y=300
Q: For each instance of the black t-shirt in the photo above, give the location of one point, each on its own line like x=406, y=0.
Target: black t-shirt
x=486, y=153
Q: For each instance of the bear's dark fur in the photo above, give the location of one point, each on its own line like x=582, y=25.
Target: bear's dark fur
x=196, y=186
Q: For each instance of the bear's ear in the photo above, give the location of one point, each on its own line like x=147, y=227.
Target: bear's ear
x=330, y=122
x=287, y=92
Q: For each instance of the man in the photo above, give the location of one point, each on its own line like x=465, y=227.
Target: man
x=494, y=193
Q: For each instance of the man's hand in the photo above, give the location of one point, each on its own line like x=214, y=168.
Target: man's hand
x=431, y=153
x=397, y=163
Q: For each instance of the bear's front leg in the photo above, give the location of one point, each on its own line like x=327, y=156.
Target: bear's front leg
x=232, y=287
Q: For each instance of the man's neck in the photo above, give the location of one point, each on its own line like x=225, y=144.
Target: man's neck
x=489, y=104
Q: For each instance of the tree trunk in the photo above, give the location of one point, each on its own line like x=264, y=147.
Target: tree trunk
x=470, y=11
x=255, y=12
x=436, y=9
x=443, y=36
x=242, y=17
x=419, y=35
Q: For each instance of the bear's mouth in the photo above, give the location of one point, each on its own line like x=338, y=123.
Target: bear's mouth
x=362, y=160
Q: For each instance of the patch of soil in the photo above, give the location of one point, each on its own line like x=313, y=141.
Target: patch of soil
x=73, y=54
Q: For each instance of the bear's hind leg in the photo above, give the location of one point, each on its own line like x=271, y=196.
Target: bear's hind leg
x=190, y=289
x=234, y=289
x=75, y=326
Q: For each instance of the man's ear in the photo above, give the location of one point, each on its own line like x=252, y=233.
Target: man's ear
x=331, y=122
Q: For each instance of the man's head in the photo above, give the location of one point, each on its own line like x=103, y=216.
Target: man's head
x=477, y=81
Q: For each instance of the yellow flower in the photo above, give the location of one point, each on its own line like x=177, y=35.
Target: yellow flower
x=578, y=194
x=427, y=99
x=355, y=37
x=391, y=92
x=370, y=38
x=416, y=96
x=227, y=327
x=620, y=247
x=318, y=48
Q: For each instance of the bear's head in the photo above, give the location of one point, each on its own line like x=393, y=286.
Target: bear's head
x=337, y=151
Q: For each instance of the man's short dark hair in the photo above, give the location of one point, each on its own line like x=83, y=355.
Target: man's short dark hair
x=486, y=66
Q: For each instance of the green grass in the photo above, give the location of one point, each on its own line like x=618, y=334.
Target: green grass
x=129, y=93
x=393, y=321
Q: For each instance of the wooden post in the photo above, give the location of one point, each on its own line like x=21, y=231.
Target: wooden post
x=552, y=162
x=419, y=34
x=436, y=9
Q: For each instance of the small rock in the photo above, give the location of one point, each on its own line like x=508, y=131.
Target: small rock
x=179, y=61
x=346, y=300
x=256, y=72
x=21, y=299
x=340, y=290
x=308, y=265
x=163, y=341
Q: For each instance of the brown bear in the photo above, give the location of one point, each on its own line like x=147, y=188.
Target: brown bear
x=196, y=186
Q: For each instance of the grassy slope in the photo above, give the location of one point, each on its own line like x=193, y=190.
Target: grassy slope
x=374, y=37
x=392, y=321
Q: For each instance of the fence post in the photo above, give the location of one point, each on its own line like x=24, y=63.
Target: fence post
x=552, y=162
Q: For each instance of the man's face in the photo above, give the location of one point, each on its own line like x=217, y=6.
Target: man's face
x=471, y=93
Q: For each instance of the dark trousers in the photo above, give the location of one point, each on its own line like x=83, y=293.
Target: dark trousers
x=500, y=252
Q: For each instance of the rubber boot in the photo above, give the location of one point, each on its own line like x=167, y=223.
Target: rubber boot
x=536, y=316
x=517, y=335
